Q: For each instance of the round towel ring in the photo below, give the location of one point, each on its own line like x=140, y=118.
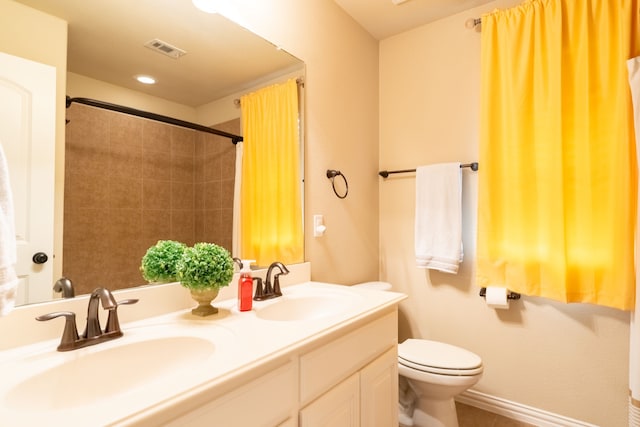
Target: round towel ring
x=331, y=174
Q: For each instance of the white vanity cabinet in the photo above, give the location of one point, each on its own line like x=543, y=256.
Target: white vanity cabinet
x=234, y=370
x=353, y=380
x=348, y=378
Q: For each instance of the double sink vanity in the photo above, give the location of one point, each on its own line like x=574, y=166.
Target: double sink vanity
x=320, y=355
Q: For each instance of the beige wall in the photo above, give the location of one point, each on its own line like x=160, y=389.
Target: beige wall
x=341, y=92
x=566, y=359
x=224, y=109
x=85, y=87
x=210, y=114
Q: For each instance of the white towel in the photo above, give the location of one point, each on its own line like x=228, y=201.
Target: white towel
x=633, y=66
x=438, y=224
x=8, y=278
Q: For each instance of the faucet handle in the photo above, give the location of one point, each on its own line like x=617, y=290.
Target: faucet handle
x=276, y=283
x=276, y=279
x=70, y=332
x=268, y=289
x=127, y=301
x=259, y=295
x=113, y=324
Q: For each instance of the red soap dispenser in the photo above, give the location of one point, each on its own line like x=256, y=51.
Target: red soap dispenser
x=245, y=286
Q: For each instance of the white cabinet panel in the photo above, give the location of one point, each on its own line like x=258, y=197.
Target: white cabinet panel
x=379, y=391
x=339, y=407
x=326, y=366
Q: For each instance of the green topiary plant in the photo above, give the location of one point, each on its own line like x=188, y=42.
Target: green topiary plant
x=205, y=266
x=159, y=263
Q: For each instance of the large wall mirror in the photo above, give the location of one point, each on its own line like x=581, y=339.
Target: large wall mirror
x=131, y=181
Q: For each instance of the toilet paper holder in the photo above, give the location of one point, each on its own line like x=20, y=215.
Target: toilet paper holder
x=510, y=295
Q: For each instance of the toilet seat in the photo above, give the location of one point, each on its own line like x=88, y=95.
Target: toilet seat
x=438, y=358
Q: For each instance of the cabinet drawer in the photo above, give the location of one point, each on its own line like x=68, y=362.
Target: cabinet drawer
x=265, y=401
x=326, y=366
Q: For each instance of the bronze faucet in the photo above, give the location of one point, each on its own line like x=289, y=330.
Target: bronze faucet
x=103, y=295
x=269, y=291
x=64, y=286
x=93, y=333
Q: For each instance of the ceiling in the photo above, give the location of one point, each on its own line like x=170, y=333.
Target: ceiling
x=383, y=18
x=107, y=37
x=106, y=42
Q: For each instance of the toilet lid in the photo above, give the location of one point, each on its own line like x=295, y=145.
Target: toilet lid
x=438, y=357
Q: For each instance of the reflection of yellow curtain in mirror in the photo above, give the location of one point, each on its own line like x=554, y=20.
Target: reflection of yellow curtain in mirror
x=557, y=190
x=271, y=205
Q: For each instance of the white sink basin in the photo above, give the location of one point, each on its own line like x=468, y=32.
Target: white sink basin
x=102, y=374
x=63, y=380
x=303, y=306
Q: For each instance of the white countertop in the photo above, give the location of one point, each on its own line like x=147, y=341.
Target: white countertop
x=164, y=359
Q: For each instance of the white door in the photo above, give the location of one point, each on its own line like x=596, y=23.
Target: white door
x=27, y=134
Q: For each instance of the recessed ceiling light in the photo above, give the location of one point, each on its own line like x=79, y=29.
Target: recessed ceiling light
x=148, y=80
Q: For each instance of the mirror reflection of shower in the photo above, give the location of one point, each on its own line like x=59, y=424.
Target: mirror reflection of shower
x=161, y=182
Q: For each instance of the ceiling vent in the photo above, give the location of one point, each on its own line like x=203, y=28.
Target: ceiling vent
x=165, y=48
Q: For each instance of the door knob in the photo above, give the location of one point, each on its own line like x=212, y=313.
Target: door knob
x=40, y=258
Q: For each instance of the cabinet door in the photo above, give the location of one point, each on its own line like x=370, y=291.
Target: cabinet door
x=379, y=391
x=328, y=365
x=339, y=407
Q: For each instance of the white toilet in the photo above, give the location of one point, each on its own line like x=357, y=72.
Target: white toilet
x=436, y=372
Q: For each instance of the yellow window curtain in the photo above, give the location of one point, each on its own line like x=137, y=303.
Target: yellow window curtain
x=557, y=190
x=271, y=207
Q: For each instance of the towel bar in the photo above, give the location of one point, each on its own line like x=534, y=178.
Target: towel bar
x=510, y=295
x=384, y=174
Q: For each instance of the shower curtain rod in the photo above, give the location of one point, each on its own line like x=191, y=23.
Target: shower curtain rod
x=153, y=116
x=384, y=174
x=299, y=82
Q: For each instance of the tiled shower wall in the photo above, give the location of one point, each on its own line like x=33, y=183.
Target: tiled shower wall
x=130, y=182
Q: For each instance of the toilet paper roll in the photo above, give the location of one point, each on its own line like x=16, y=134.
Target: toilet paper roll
x=496, y=297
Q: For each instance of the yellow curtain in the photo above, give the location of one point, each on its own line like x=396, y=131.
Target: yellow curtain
x=557, y=190
x=271, y=206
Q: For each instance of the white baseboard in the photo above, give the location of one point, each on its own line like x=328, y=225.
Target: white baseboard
x=517, y=411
